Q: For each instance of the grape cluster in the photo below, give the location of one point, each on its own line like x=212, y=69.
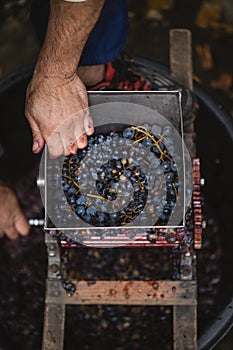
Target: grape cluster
x=116, y=173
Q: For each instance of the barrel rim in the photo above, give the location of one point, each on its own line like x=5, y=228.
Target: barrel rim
x=224, y=321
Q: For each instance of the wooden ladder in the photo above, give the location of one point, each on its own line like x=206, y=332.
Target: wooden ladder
x=180, y=294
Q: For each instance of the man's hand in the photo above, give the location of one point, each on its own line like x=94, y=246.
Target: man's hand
x=57, y=110
x=12, y=221
x=56, y=96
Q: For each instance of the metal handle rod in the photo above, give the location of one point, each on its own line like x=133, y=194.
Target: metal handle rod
x=36, y=222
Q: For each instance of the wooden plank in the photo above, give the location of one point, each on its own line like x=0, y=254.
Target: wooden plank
x=54, y=324
x=124, y=293
x=185, y=327
x=181, y=70
x=181, y=57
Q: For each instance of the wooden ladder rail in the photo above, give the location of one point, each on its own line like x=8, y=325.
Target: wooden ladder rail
x=181, y=70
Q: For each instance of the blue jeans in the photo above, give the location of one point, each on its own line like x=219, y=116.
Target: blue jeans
x=106, y=40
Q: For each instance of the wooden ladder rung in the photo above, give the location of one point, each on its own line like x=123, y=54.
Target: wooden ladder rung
x=159, y=292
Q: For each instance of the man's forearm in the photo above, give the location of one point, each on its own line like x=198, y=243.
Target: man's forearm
x=68, y=29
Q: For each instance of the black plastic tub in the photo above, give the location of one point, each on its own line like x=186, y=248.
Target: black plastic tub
x=214, y=141
x=214, y=129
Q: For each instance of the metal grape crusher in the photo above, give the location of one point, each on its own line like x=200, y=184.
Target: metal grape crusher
x=134, y=185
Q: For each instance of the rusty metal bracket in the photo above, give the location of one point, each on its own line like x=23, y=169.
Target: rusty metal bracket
x=54, y=261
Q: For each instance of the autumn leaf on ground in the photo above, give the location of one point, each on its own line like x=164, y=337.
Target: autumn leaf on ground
x=224, y=82
x=155, y=8
x=208, y=13
x=212, y=14
x=205, y=56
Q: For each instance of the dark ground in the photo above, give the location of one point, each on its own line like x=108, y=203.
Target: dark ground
x=23, y=263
